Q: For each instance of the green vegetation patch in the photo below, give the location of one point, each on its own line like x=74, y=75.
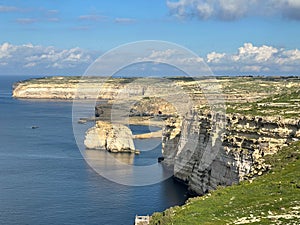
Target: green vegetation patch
x=273, y=198
x=285, y=104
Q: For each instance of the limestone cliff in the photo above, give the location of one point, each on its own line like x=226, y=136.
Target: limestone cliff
x=235, y=89
x=75, y=88
x=204, y=155
x=152, y=106
x=94, y=88
x=46, y=88
x=111, y=137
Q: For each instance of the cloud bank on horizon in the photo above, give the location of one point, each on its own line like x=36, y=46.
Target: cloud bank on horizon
x=234, y=9
x=265, y=60
x=34, y=60
x=248, y=59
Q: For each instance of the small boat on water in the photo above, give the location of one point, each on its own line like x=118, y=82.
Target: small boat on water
x=34, y=127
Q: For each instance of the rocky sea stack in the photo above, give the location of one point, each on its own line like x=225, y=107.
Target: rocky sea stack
x=111, y=137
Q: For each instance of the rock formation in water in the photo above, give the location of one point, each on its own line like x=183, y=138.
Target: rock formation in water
x=204, y=155
x=110, y=137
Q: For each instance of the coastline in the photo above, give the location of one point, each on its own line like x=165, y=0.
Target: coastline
x=259, y=120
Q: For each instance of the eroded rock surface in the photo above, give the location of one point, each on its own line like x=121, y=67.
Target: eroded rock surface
x=205, y=154
x=111, y=137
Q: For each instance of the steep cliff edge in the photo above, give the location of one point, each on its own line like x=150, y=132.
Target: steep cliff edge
x=46, y=88
x=272, y=198
x=205, y=156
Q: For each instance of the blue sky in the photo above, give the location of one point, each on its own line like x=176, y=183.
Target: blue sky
x=91, y=27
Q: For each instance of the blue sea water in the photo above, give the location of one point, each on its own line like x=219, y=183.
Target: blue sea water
x=45, y=180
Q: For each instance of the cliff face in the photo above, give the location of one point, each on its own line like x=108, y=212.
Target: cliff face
x=147, y=106
x=235, y=89
x=74, y=87
x=110, y=137
x=204, y=155
x=46, y=88
x=92, y=87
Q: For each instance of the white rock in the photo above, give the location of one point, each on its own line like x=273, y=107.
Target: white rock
x=111, y=137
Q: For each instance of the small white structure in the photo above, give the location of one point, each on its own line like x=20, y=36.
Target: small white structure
x=142, y=220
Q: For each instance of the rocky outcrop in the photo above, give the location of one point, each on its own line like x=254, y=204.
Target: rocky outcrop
x=110, y=137
x=149, y=106
x=205, y=154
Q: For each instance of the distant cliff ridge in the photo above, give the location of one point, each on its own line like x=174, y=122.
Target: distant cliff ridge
x=93, y=88
x=235, y=89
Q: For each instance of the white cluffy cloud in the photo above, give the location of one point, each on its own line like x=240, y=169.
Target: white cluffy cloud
x=256, y=59
x=214, y=57
x=234, y=9
x=16, y=59
x=253, y=53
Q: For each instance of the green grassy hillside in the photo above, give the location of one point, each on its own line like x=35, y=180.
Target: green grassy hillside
x=273, y=198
